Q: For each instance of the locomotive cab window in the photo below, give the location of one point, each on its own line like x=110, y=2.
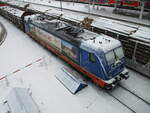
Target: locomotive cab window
x=92, y=57
x=114, y=55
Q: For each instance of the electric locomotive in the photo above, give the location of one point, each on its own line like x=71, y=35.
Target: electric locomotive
x=98, y=56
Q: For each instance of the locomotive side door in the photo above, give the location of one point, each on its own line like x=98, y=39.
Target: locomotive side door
x=89, y=62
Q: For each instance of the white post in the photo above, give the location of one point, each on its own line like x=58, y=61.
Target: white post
x=89, y=8
x=115, y=5
x=142, y=9
x=97, y=5
x=61, y=5
x=73, y=2
x=93, y=3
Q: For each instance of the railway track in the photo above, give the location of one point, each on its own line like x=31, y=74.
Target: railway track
x=92, y=14
x=130, y=100
x=144, y=100
x=128, y=107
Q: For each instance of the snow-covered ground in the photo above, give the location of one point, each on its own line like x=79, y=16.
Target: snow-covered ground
x=102, y=10
x=138, y=84
x=18, y=50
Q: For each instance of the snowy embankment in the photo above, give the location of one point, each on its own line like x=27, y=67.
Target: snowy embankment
x=18, y=50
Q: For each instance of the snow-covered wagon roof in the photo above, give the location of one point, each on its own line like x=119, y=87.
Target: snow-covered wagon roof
x=13, y=11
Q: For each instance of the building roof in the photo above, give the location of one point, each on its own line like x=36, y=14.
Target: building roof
x=19, y=101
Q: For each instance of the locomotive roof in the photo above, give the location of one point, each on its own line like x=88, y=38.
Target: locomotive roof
x=13, y=11
x=102, y=42
x=76, y=35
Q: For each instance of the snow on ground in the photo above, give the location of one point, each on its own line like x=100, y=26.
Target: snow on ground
x=102, y=10
x=132, y=101
x=19, y=50
x=138, y=84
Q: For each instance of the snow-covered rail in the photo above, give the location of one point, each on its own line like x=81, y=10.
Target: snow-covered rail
x=147, y=102
x=122, y=103
x=130, y=100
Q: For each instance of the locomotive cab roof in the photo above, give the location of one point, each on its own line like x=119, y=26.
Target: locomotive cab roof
x=102, y=42
x=74, y=34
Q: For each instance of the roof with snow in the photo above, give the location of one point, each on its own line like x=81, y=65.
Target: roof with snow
x=102, y=42
x=143, y=34
x=12, y=10
x=115, y=26
x=19, y=101
x=75, y=34
x=71, y=81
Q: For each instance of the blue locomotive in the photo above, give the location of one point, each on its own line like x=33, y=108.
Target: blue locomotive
x=98, y=56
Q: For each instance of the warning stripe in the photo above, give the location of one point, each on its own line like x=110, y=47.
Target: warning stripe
x=38, y=60
x=18, y=70
x=28, y=65
x=2, y=77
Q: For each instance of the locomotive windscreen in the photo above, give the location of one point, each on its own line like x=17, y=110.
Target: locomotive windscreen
x=114, y=55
